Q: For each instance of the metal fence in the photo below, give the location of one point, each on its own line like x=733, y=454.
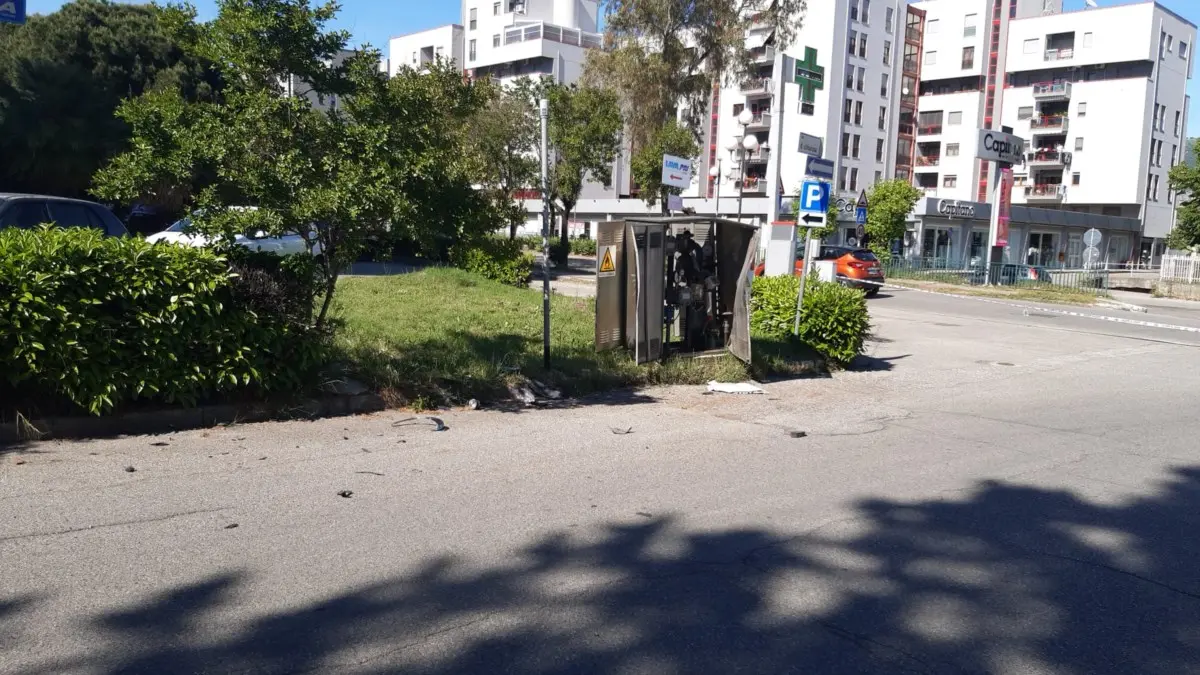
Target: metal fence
x=977, y=273
x=1184, y=268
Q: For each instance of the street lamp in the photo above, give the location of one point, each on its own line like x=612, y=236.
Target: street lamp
x=748, y=145
x=714, y=172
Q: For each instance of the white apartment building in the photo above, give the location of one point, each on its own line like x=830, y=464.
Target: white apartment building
x=1098, y=95
x=417, y=50
x=507, y=39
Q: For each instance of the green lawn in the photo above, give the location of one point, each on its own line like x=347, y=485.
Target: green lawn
x=1021, y=291
x=442, y=336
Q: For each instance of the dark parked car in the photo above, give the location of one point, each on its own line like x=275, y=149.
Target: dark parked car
x=1007, y=274
x=29, y=211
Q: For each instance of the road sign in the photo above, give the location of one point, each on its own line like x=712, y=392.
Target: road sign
x=1091, y=255
x=819, y=168
x=676, y=171
x=674, y=203
x=997, y=146
x=608, y=262
x=1092, y=238
x=862, y=200
x=12, y=11
x=814, y=197
x=860, y=211
x=811, y=145
x=813, y=220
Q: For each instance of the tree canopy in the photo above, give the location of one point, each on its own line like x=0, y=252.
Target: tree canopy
x=647, y=162
x=1184, y=179
x=62, y=76
x=888, y=204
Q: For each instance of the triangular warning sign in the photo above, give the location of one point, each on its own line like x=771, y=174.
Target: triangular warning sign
x=607, y=264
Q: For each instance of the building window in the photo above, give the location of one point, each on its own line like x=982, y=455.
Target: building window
x=1079, y=144
x=882, y=117
x=854, y=10
x=862, y=46
x=1177, y=115
x=1082, y=109
x=845, y=144
x=414, y=58
x=952, y=149
x=862, y=78
x=887, y=52
x=857, y=146
x=1087, y=39
x=954, y=118
x=883, y=91
x=879, y=150
x=1158, y=154
x=852, y=46
x=1031, y=46
x=807, y=108
x=854, y=181
x=930, y=58
x=495, y=9
x=858, y=108
x=969, y=22
x=496, y=40
x=471, y=51
x=889, y=20
x=472, y=23
x=1156, y=187
x=850, y=77
x=1162, y=43
x=1075, y=178
x=1174, y=150
x=949, y=181
x=866, y=12
x=1183, y=49
x=842, y=179
x=968, y=59
x=1170, y=43
x=1025, y=112
x=931, y=26
x=847, y=111
x=878, y=176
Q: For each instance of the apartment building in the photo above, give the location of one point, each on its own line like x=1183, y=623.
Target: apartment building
x=1098, y=95
x=418, y=50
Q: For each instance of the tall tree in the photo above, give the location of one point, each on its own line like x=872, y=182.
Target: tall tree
x=62, y=76
x=1184, y=179
x=888, y=204
x=664, y=55
x=647, y=162
x=585, y=132
x=386, y=161
x=504, y=141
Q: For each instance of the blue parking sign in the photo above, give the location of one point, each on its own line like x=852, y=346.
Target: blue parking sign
x=814, y=197
x=12, y=11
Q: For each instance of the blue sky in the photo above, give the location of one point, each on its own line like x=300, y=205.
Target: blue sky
x=374, y=21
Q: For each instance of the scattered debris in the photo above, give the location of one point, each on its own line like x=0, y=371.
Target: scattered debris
x=797, y=434
x=734, y=387
x=644, y=514
x=370, y=473
x=438, y=424
x=19, y=462
x=345, y=438
x=345, y=494
x=231, y=526
x=160, y=443
x=523, y=394
x=545, y=391
x=262, y=458
x=473, y=404
x=621, y=432
x=130, y=469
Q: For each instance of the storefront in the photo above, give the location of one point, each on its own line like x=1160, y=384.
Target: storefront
x=947, y=232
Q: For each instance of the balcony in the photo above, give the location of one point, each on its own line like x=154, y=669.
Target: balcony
x=753, y=185
x=761, y=122
x=928, y=160
x=929, y=129
x=1045, y=193
x=929, y=191
x=540, y=30
x=1060, y=54
x=758, y=86
x=763, y=55
x=912, y=34
x=906, y=129
x=1052, y=91
x=912, y=66
x=1049, y=124
x=759, y=24
x=760, y=156
x=1047, y=157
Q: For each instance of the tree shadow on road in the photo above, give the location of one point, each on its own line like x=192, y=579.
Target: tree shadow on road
x=1001, y=578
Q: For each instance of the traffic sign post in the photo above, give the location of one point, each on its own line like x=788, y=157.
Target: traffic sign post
x=814, y=200
x=12, y=11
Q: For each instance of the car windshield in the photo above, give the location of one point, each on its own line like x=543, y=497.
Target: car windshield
x=179, y=225
x=864, y=255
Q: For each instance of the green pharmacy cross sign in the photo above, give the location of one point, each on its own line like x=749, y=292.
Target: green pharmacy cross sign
x=809, y=76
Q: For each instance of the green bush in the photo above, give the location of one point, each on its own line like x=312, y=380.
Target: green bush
x=497, y=259
x=834, y=322
x=100, y=322
x=583, y=246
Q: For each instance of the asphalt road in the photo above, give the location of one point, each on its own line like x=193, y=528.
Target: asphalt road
x=995, y=490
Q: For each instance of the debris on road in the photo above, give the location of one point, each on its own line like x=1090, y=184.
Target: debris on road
x=345, y=493
x=733, y=387
x=797, y=434
x=473, y=404
x=130, y=469
x=231, y=526
x=621, y=432
x=438, y=424
x=370, y=473
x=160, y=443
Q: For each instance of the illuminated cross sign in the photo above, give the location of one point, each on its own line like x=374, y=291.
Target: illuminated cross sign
x=809, y=76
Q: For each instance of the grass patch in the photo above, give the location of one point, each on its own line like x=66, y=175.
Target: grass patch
x=443, y=336
x=1031, y=292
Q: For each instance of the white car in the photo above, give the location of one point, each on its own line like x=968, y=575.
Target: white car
x=284, y=245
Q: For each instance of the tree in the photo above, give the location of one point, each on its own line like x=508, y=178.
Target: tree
x=647, y=162
x=661, y=55
x=888, y=204
x=504, y=139
x=386, y=161
x=62, y=76
x=1184, y=179
x=585, y=127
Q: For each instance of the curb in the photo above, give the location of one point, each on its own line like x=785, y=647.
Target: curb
x=176, y=419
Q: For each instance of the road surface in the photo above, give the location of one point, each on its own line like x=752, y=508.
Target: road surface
x=995, y=490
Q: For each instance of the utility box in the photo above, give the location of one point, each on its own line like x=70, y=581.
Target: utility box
x=674, y=285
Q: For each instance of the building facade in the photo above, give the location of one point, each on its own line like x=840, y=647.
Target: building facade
x=418, y=50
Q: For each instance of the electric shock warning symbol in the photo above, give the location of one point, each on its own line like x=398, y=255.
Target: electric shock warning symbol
x=608, y=262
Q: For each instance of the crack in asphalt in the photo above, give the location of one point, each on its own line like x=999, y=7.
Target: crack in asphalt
x=138, y=521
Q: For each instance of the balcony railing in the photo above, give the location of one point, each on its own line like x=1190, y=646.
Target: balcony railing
x=1052, y=91
x=929, y=129
x=566, y=36
x=912, y=34
x=753, y=184
x=760, y=121
x=1060, y=54
x=1047, y=156
x=757, y=86
x=1046, y=192
x=906, y=129
x=764, y=54
x=911, y=66
x=929, y=191
x=1056, y=123
x=759, y=156
x=929, y=160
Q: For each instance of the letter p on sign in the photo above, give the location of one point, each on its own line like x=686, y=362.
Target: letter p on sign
x=814, y=197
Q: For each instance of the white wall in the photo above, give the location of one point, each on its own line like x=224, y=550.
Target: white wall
x=964, y=167
x=948, y=38
x=401, y=49
x=1119, y=34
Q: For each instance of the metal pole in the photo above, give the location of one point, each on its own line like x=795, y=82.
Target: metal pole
x=717, y=206
x=741, y=177
x=544, y=109
x=803, y=280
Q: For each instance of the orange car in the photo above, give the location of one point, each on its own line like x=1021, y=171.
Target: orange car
x=854, y=267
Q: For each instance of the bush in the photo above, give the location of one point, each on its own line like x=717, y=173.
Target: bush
x=99, y=322
x=497, y=259
x=835, y=320
x=583, y=246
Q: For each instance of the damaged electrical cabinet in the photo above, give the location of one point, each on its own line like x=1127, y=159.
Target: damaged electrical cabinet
x=674, y=286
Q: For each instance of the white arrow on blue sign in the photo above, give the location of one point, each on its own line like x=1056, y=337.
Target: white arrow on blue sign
x=12, y=11
x=814, y=197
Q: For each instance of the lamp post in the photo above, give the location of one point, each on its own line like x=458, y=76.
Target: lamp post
x=714, y=172
x=748, y=145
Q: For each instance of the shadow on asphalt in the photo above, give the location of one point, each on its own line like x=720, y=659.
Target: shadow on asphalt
x=864, y=363
x=997, y=579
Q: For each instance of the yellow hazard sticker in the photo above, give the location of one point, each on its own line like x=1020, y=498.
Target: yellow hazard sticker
x=608, y=261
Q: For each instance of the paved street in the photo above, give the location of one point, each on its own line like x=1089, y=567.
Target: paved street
x=996, y=490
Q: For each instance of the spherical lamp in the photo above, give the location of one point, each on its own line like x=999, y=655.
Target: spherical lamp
x=745, y=117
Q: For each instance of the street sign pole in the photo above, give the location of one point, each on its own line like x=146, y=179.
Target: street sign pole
x=803, y=278
x=814, y=203
x=544, y=110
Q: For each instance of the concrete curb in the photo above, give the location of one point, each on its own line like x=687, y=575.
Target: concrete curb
x=179, y=419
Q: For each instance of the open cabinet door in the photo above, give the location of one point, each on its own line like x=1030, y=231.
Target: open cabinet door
x=739, y=333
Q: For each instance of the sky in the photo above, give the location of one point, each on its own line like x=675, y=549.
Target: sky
x=374, y=21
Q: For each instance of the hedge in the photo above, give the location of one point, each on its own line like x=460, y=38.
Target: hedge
x=495, y=258
x=835, y=320
x=100, y=322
